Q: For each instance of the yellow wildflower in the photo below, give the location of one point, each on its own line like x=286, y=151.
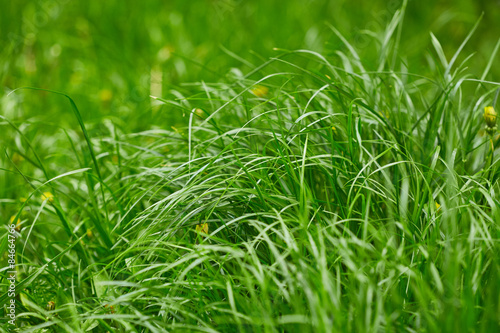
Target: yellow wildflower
x=438, y=206
x=48, y=196
x=17, y=158
x=12, y=218
x=89, y=233
x=260, y=91
x=199, y=113
x=490, y=117
x=202, y=228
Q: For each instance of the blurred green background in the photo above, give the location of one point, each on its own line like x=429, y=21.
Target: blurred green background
x=111, y=55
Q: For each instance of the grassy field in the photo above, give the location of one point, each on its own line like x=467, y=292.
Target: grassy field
x=249, y=166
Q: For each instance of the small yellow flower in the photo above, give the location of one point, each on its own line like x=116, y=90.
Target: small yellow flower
x=12, y=220
x=17, y=158
x=105, y=95
x=490, y=117
x=47, y=196
x=260, y=91
x=202, y=228
x=199, y=113
x=438, y=206
x=89, y=233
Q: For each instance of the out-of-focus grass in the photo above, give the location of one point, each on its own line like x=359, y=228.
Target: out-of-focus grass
x=108, y=55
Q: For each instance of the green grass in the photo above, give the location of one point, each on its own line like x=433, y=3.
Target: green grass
x=356, y=192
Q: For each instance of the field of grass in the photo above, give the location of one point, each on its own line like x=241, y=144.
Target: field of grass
x=250, y=166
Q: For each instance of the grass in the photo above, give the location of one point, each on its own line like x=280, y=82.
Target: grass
x=307, y=192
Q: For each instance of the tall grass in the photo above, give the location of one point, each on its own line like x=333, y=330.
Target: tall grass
x=312, y=194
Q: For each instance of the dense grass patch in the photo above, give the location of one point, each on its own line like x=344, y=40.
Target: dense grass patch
x=307, y=193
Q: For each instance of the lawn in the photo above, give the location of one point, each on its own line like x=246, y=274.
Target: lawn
x=249, y=166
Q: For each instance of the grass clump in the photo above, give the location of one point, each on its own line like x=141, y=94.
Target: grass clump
x=312, y=194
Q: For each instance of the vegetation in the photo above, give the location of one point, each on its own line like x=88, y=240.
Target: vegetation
x=168, y=170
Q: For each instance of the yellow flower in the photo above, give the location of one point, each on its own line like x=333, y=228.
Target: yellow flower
x=12, y=218
x=176, y=130
x=105, y=95
x=89, y=233
x=17, y=158
x=202, y=228
x=438, y=206
x=259, y=91
x=48, y=196
x=200, y=113
x=490, y=116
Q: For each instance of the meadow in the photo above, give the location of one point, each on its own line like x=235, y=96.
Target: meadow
x=249, y=166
